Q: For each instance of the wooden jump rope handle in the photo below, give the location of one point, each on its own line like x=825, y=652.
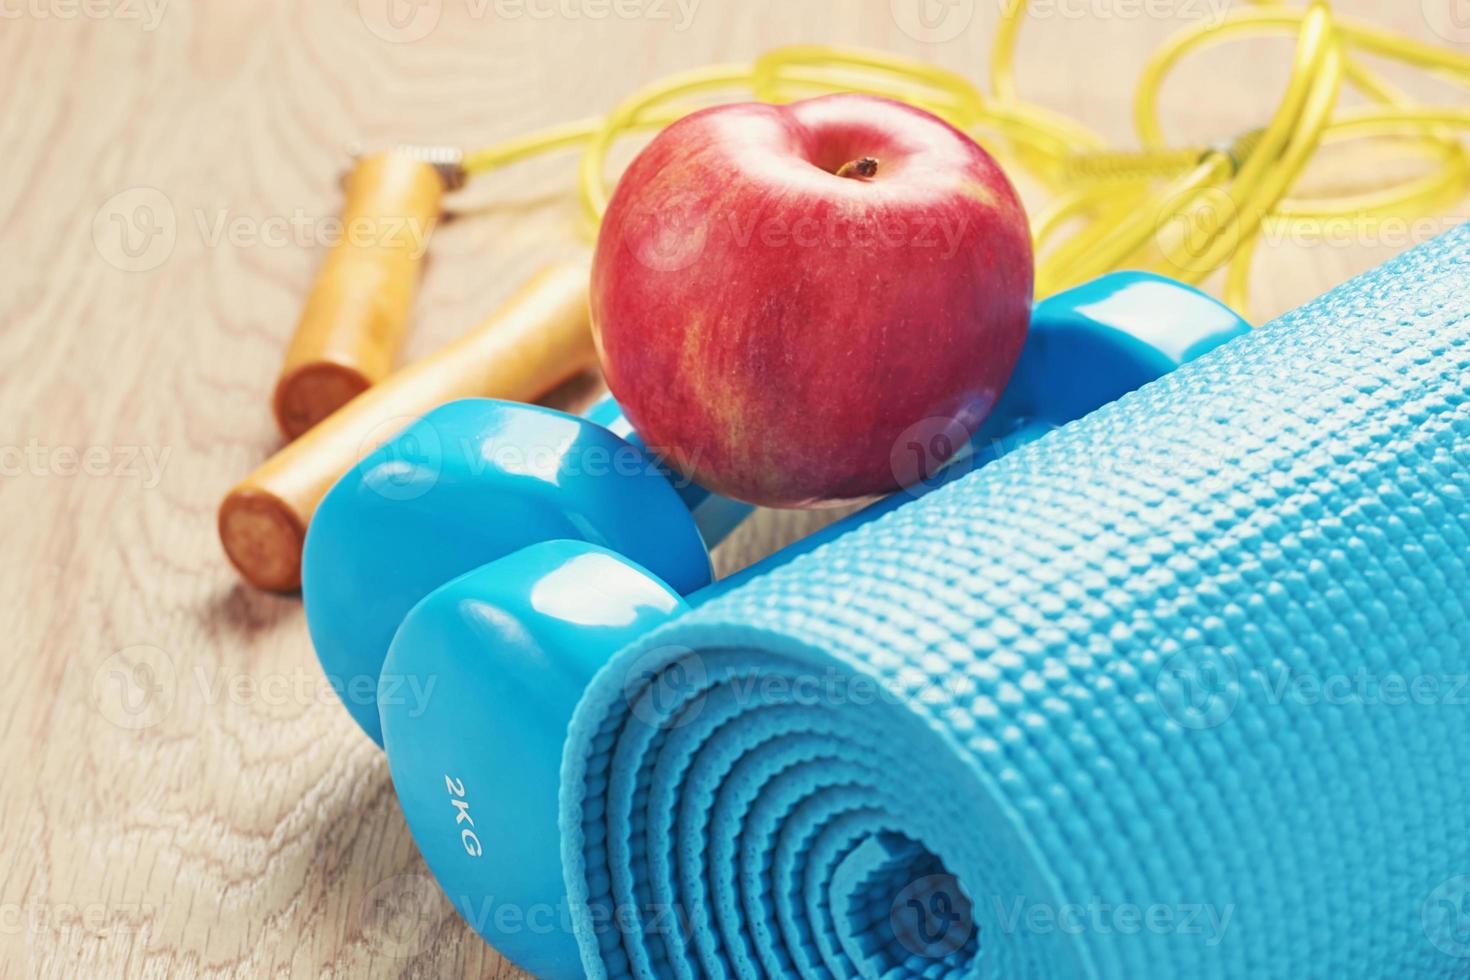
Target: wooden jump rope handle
x=539, y=338
x=357, y=312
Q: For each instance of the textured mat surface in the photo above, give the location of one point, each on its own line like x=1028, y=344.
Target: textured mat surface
x=1177, y=691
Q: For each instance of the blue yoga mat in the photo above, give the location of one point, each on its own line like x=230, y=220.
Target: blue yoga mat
x=1177, y=691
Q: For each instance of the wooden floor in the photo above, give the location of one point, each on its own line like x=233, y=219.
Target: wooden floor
x=181, y=795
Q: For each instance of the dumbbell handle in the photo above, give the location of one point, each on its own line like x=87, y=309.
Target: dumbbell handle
x=715, y=516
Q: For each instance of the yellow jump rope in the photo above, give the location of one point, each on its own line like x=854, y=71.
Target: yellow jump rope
x=1185, y=211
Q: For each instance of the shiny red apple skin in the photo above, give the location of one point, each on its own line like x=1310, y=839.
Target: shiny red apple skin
x=777, y=331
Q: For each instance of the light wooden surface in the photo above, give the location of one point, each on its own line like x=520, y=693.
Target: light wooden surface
x=181, y=795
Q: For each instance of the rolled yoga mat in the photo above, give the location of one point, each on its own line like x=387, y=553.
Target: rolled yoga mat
x=1177, y=691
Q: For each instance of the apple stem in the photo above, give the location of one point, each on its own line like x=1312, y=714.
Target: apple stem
x=863, y=167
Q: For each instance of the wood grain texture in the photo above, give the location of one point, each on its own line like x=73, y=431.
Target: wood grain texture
x=181, y=794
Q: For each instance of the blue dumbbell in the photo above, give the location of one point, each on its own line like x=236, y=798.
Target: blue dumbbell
x=472, y=481
x=505, y=651
x=475, y=480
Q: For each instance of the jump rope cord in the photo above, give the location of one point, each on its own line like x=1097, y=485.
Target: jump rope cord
x=1185, y=211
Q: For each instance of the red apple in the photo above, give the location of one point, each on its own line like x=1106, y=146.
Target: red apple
x=782, y=295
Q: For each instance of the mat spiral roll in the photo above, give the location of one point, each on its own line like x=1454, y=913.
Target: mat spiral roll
x=1177, y=691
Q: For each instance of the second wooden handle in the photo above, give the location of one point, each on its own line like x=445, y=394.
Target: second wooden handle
x=357, y=312
x=538, y=339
